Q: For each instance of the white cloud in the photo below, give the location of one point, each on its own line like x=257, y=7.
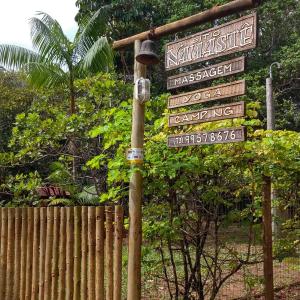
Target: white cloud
x=14, y=16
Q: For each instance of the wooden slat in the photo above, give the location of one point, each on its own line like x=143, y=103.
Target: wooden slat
x=17, y=263
x=109, y=252
x=35, y=254
x=77, y=252
x=3, y=252
x=84, y=253
x=62, y=255
x=70, y=253
x=118, y=252
x=91, y=252
x=10, y=254
x=55, y=253
x=48, y=257
x=99, y=253
x=23, y=254
x=29, y=245
x=42, y=254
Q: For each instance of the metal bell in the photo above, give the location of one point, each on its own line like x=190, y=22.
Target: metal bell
x=147, y=56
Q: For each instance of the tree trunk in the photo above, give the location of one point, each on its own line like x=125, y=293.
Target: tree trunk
x=73, y=149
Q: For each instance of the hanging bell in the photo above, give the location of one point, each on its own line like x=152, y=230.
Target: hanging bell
x=147, y=56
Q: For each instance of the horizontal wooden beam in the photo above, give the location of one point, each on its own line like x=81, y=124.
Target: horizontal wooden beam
x=200, y=18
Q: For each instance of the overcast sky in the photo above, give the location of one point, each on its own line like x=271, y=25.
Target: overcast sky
x=14, y=15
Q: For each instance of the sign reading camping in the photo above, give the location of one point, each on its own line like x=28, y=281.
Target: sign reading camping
x=220, y=136
x=232, y=37
x=223, y=91
x=222, y=112
x=225, y=68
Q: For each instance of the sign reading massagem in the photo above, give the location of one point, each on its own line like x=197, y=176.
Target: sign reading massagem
x=232, y=89
x=218, y=136
x=222, y=112
x=235, y=36
x=225, y=68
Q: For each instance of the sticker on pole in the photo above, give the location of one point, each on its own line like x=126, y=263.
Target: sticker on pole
x=135, y=155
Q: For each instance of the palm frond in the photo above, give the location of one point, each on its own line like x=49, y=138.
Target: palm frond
x=16, y=57
x=61, y=202
x=46, y=75
x=98, y=58
x=49, y=40
x=87, y=197
x=90, y=30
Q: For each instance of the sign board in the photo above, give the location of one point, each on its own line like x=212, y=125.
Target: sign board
x=222, y=112
x=235, y=36
x=135, y=155
x=218, y=92
x=220, y=136
x=225, y=68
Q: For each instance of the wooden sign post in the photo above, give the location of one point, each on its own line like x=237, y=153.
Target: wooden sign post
x=137, y=138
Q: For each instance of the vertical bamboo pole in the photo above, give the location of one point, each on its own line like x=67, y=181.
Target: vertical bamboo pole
x=29, y=252
x=84, y=253
x=23, y=253
x=91, y=252
x=99, y=253
x=109, y=252
x=35, y=254
x=135, y=191
x=10, y=254
x=43, y=235
x=267, y=239
x=55, y=253
x=0, y=236
x=118, y=243
x=48, y=254
x=70, y=253
x=17, y=264
x=62, y=255
x=3, y=252
x=1, y=228
x=77, y=251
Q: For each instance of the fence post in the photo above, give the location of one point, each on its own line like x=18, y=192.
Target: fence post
x=10, y=254
x=62, y=255
x=3, y=253
x=70, y=253
x=118, y=252
x=100, y=253
x=17, y=266
x=267, y=239
x=91, y=252
x=55, y=253
x=35, y=254
x=43, y=237
x=77, y=251
x=84, y=253
x=109, y=253
x=48, y=253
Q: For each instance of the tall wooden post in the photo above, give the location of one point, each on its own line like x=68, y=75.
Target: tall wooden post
x=135, y=191
x=267, y=239
x=271, y=126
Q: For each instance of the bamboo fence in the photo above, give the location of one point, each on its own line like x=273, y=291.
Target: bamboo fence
x=61, y=253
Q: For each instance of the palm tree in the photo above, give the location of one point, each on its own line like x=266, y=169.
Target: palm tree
x=56, y=61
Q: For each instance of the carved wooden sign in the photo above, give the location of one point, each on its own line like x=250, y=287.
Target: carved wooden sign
x=219, y=136
x=222, y=112
x=218, y=92
x=235, y=36
x=225, y=68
